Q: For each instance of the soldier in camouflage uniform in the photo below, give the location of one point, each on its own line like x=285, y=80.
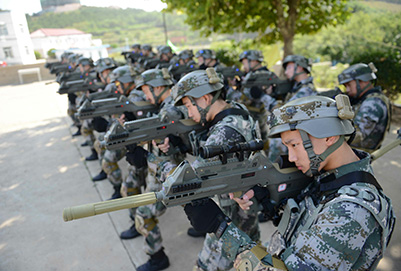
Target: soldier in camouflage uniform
x=297, y=69
x=372, y=108
x=201, y=92
x=207, y=58
x=156, y=84
x=72, y=103
x=341, y=221
x=184, y=65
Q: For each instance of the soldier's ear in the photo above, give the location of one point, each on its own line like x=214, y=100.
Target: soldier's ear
x=331, y=140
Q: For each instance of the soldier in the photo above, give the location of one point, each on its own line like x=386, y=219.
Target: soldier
x=167, y=57
x=136, y=48
x=72, y=105
x=372, y=108
x=156, y=84
x=297, y=69
x=341, y=221
x=202, y=94
x=207, y=58
x=252, y=61
x=184, y=65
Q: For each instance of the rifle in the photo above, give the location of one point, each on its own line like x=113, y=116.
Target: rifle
x=178, y=70
x=110, y=106
x=266, y=79
x=131, y=56
x=186, y=185
x=147, y=129
x=79, y=85
x=231, y=72
x=56, y=69
x=66, y=76
x=331, y=93
x=378, y=153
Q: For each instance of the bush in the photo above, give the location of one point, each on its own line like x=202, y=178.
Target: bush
x=37, y=55
x=51, y=53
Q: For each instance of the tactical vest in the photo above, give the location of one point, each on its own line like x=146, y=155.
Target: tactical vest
x=308, y=83
x=366, y=195
x=381, y=96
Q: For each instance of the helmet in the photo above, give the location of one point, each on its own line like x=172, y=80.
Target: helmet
x=196, y=84
x=360, y=71
x=105, y=64
x=298, y=60
x=165, y=49
x=186, y=54
x=251, y=55
x=319, y=116
x=122, y=74
x=136, y=46
x=206, y=53
x=147, y=47
x=85, y=61
x=73, y=58
x=154, y=78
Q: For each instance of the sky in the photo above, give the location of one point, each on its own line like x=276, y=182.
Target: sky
x=33, y=6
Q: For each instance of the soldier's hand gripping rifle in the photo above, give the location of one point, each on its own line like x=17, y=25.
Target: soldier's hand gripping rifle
x=111, y=106
x=147, y=129
x=186, y=185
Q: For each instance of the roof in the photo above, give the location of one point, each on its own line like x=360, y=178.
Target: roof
x=49, y=32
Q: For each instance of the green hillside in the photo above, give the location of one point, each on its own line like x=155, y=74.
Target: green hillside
x=113, y=26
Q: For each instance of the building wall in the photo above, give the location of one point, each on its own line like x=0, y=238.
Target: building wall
x=44, y=44
x=16, y=46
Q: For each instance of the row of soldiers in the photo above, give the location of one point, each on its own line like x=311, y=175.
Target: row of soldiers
x=233, y=106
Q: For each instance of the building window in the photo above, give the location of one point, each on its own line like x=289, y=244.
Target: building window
x=8, y=52
x=3, y=29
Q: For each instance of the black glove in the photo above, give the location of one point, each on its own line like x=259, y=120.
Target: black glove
x=262, y=195
x=136, y=156
x=205, y=217
x=100, y=124
x=256, y=92
x=129, y=116
x=176, y=141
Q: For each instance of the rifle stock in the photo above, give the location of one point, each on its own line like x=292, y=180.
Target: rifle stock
x=110, y=106
x=185, y=185
x=148, y=129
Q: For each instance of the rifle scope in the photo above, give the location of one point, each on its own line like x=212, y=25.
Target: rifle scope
x=211, y=151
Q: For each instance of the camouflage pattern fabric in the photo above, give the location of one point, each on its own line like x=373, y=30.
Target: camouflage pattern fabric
x=71, y=110
x=372, y=121
x=301, y=89
x=232, y=128
x=110, y=165
x=136, y=179
x=339, y=233
x=87, y=132
x=159, y=166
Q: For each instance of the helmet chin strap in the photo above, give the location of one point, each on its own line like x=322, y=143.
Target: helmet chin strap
x=359, y=90
x=203, y=111
x=295, y=74
x=317, y=159
x=157, y=97
x=127, y=90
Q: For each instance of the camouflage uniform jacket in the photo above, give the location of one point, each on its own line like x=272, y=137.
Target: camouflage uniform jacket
x=347, y=231
x=372, y=120
x=301, y=89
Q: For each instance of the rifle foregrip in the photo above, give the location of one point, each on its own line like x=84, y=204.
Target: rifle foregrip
x=92, y=209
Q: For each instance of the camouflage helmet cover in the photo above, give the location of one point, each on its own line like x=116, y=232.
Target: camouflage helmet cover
x=358, y=71
x=318, y=116
x=251, y=55
x=136, y=46
x=73, y=58
x=85, y=61
x=165, y=49
x=105, y=64
x=300, y=61
x=206, y=53
x=186, y=54
x=122, y=74
x=196, y=84
x=154, y=78
x=147, y=47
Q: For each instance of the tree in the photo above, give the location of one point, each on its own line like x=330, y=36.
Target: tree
x=273, y=20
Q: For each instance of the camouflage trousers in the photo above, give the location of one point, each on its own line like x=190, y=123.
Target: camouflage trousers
x=110, y=165
x=210, y=257
x=87, y=132
x=146, y=222
x=135, y=180
x=71, y=110
x=276, y=148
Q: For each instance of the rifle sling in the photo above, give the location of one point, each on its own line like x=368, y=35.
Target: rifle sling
x=230, y=111
x=331, y=183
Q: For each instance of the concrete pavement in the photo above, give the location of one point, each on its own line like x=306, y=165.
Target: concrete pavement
x=42, y=171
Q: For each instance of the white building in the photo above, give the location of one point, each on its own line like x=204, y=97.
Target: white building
x=45, y=39
x=15, y=42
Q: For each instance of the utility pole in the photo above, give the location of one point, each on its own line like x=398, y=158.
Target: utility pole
x=165, y=26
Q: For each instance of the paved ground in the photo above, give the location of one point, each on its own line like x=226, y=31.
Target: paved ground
x=42, y=171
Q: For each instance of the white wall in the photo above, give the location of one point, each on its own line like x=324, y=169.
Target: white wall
x=17, y=38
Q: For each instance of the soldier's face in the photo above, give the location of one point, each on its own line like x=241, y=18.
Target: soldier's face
x=193, y=112
x=289, y=70
x=351, y=88
x=148, y=94
x=245, y=64
x=201, y=60
x=296, y=151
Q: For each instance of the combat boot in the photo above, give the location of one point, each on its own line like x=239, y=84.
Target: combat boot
x=116, y=194
x=194, y=233
x=158, y=261
x=93, y=156
x=131, y=233
x=262, y=218
x=78, y=132
x=85, y=144
x=100, y=177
